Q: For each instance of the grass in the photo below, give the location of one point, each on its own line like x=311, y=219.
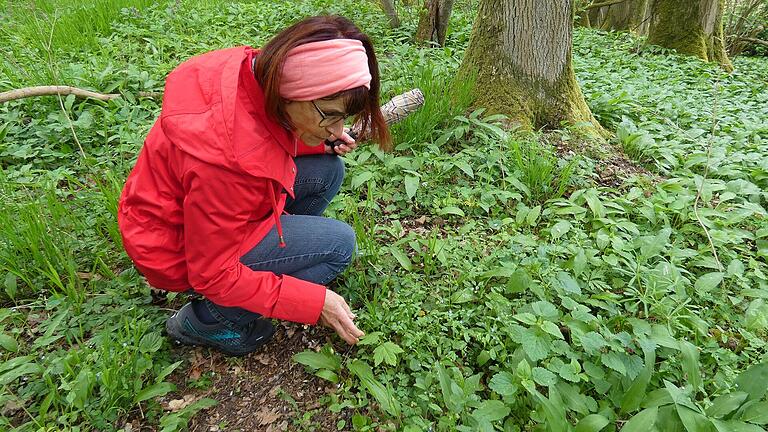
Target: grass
x=501, y=288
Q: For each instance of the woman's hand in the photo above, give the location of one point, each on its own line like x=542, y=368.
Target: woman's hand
x=341, y=149
x=337, y=315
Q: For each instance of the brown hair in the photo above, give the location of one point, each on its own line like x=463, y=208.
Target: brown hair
x=362, y=102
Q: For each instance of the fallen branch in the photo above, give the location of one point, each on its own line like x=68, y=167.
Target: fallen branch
x=603, y=4
x=754, y=41
x=64, y=91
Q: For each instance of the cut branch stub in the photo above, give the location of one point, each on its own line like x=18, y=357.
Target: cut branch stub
x=64, y=91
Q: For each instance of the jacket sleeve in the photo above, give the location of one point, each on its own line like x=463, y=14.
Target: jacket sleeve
x=218, y=219
x=303, y=149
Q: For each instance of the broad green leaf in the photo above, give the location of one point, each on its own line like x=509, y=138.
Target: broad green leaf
x=463, y=296
x=387, y=353
x=491, y=411
x=15, y=368
x=735, y=426
x=153, y=391
x=560, y=229
x=503, y=271
x=8, y=343
x=10, y=284
x=543, y=377
x=613, y=360
x=592, y=342
x=361, y=178
x=594, y=203
x=554, y=410
x=692, y=420
x=525, y=318
x=642, y=422
x=552, y=329
x=327, y=375
x=453, y=396
x=533, y=215
x=637, y=391
x=726, y=404
x=519, y=281
x=401, y=258
x=708, y=282
x=592, y=423
x=690, y=354
x=411, y=186
x=318, y=360
x=151, y=342
x=756, y=413
x=503, y=383
x=568, y=283
x=754, y=381
x=451, y=210
x=383, y=395
x=80, y=390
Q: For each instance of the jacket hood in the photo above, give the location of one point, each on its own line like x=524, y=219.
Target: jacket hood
x=213, y=109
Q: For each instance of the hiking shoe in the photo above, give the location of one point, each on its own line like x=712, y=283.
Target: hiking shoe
x=226, y=336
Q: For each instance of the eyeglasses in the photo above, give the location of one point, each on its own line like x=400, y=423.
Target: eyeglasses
x=328, y=120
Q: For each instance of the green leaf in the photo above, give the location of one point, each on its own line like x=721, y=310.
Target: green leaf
x=756, y=413
x=361, y=178
x=560, y=229
x=754, y=381
x=80, y=390
x=692, y=420
x=463, y=296
x=8, y=343
x=614, y=361
x=491, y=411
x=383, y=395
x=592, y=423
x=552, y=328
x=708, y=282
x=519, y=281
x=642, y=422
x=594, y=203
x=543, y=377
x=525, y=318
x=735, y=426
x=592, y=342
x=411, y=186
x=401, y=258
x=533, y=215
x=153, y=391
x=151, y=342
x=17, y=367
x=318, y=360
x=451, y=210
x=327, y=375
x=503, y=383
x=690, y=354
x=168, y=370
x=568, y=283
x=11, y=285
x=636, y=393
x=387, y=353
x=726, y=404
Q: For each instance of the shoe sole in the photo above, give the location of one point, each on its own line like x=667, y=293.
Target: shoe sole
x=174, y=330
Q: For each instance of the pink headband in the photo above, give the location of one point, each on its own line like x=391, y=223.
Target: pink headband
x=319, y=69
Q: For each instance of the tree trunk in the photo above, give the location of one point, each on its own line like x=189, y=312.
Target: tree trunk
x=520, y=57
x=692, y=27
x=433, y=21
x=628, y=15
x=389, y=9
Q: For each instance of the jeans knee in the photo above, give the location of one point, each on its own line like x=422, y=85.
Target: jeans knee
x=345, y=243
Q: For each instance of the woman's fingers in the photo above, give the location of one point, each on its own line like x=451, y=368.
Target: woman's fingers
x=337, y=315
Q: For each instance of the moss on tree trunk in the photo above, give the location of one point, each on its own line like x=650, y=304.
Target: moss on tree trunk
x=520, y=57
x=692, y=27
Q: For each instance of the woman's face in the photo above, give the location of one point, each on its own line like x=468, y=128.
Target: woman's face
x=306, y=117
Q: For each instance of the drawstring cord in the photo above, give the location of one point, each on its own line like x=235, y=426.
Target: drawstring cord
x=281, y=240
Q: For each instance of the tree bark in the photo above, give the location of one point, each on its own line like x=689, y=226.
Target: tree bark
x=519, y=56
x=619, y=15
x=692, y=27
x=389, y=9
x=433, y=21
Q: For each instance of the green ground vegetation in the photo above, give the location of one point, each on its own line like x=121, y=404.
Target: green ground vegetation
x=503, y=284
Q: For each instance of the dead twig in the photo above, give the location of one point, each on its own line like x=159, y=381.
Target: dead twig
x=64, y=91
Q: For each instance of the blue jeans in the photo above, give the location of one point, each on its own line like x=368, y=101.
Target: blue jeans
x=317, y=248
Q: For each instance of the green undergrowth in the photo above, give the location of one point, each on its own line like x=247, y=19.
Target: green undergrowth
x=501, y=285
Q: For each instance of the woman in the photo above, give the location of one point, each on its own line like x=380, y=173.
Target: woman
x=226, y=195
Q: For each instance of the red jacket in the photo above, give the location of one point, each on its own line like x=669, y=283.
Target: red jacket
x=208, y=186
